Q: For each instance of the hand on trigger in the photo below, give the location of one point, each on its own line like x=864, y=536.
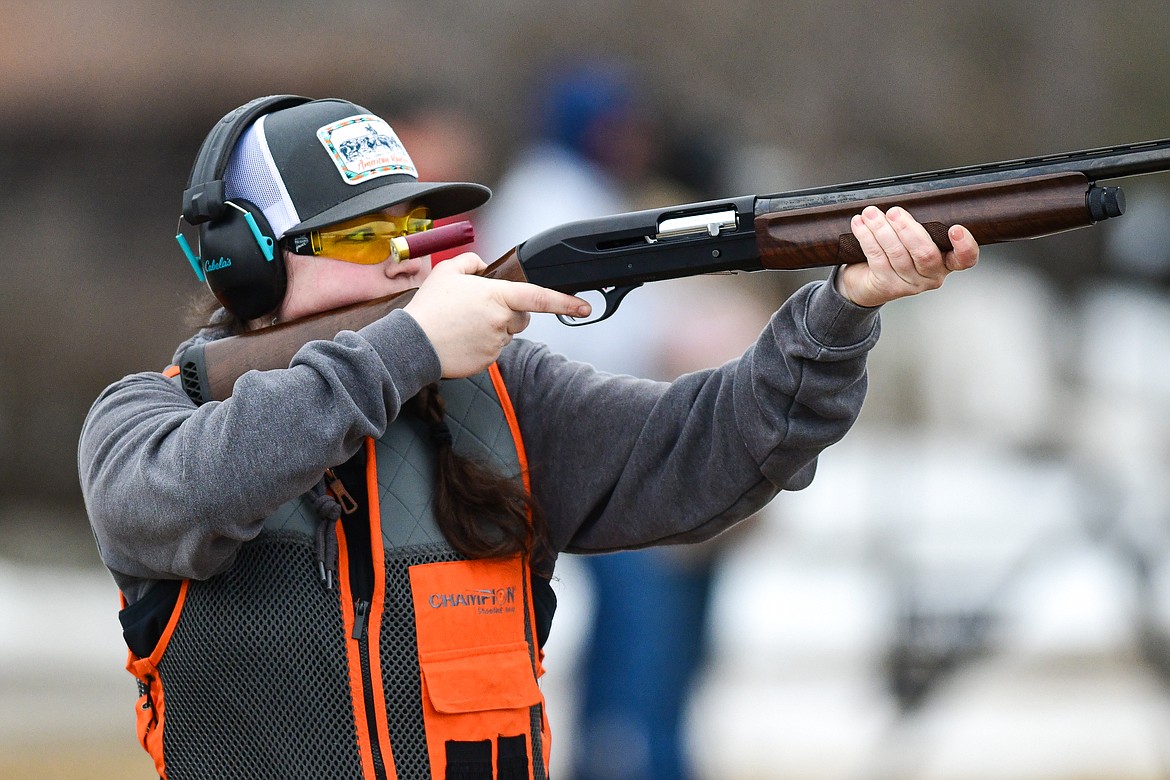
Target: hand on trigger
x=469, y=319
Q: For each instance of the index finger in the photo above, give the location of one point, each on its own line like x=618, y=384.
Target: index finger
x=524, y=296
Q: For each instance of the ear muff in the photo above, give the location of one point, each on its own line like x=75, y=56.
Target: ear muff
x=241, y=261
x=238, y=253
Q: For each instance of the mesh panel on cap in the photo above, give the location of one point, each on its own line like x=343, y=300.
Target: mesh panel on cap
x=252, y=175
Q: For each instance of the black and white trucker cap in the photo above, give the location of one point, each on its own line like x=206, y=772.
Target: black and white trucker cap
x=329, y=160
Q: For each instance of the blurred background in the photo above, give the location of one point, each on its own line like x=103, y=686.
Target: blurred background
x=977, y=585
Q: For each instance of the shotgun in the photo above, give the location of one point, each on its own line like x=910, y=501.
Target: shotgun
x=809, y=228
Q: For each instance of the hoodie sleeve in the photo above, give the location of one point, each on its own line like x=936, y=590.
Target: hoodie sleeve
x=620, y=463
x=173, y=489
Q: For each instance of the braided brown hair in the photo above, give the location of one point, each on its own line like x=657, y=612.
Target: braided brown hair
x=481, y=512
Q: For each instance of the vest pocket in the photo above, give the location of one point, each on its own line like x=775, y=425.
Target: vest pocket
x=469, y=760
x=476, y=664
x=478, y=680
x=511, y=758
x=473, y=760
x=479, y=696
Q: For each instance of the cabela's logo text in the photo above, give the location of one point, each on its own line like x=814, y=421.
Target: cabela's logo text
x=218, y=264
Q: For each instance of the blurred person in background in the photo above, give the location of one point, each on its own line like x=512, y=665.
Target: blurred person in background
x=598, y=151
x=343, y=569
x=593, y=146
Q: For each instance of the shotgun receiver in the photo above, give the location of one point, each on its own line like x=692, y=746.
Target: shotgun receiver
x=808, y=228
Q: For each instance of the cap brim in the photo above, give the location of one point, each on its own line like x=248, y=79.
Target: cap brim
x=443, y=199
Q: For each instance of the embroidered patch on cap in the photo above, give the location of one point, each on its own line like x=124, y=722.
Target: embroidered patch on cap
x=364, y=147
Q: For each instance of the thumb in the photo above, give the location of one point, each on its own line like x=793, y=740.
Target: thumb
x=466, y=263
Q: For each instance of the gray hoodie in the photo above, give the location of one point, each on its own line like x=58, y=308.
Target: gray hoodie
x=174, y=489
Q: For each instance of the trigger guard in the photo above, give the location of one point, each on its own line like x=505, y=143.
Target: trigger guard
x=613, y=298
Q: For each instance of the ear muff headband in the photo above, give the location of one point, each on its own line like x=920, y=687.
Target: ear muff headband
x=239, y=259
x=204, y=197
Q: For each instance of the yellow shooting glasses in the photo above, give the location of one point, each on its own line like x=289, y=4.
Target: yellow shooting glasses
x=366, y=240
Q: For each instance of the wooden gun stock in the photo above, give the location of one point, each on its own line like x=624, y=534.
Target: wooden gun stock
x=209, y=371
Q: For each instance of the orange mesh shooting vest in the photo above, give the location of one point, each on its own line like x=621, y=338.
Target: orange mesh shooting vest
x=264, y=672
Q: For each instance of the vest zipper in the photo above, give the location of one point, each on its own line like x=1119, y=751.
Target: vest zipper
x=361, y=616
x=363, y=580
x=348, y=504
x=361, y=611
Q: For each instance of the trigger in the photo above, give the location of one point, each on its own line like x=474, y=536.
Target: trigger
x=613, y=297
